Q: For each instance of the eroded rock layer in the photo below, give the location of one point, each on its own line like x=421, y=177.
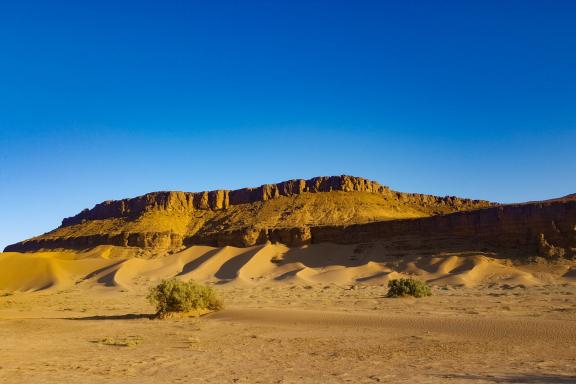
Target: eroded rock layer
x=340, y=209
x=222, y=199
x=544, y=228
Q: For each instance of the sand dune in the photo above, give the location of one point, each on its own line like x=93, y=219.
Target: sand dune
x=111, y=266
x=316, y=313
x=44, y=270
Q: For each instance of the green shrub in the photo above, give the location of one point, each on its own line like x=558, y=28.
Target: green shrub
x=408, y=287
x=128, y=341
x=175, y=295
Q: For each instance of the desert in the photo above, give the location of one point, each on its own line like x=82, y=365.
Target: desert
x=295, y=192
x=306, y=303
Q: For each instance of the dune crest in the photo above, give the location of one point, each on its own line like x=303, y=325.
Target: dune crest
x=116, y=267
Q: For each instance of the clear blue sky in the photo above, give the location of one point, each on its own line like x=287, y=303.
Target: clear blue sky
x=110, y=99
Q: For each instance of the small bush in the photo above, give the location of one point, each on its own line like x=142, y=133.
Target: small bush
x=408, y=287
x=128, y=341
x=175, y=295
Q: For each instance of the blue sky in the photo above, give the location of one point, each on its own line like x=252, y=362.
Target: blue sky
x=106, y=100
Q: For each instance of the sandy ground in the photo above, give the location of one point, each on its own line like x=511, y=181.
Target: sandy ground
x=290, y=333
x=314, y=315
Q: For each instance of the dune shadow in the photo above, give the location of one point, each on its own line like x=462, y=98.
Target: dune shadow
x=101, y=270
x=127, y=316
x=302, y=256
x=229, y=270
x=192, y=265
x=108, y=279
x=288, y=274
x=518, y=379
x=374, y=276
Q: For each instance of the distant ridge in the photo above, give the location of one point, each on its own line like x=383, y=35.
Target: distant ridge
x=222, y=199
x=171, y=219
x=336, y=209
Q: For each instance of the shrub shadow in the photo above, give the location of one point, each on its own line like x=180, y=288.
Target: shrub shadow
x=128, y=316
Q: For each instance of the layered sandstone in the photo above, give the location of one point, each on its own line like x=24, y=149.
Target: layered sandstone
x=164, y=240
x=187, y=202
x=544, y=228
x=547, y=228
x=294, y=212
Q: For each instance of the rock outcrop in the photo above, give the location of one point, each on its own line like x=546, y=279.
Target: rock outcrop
x=296, y=212
x=124, y=239
x=545, y=228
x=187, y=202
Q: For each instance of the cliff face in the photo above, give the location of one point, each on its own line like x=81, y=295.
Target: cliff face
x=188, y=202
x=220, y=199
x=294, y=212
x=544, y=228
x=124, y=239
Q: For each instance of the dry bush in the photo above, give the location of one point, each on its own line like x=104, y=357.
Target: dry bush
x=408, y=287
x=175, y=295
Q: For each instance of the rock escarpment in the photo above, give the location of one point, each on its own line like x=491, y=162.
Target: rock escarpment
x=295, y=212
x=164, y=240
x=546, y=228
x=188, y=202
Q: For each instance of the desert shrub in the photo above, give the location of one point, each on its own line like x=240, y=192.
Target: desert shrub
x=408, y=287
x=175, y=295
x=128, y=341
